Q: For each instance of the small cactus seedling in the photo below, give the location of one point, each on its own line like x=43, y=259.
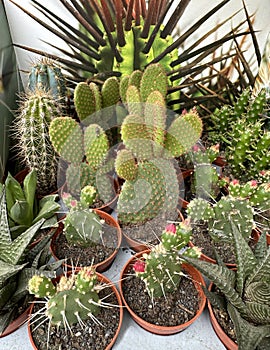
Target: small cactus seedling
x=161, y=269
x=72, y=300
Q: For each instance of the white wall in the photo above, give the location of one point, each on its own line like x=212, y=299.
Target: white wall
x=27, y=32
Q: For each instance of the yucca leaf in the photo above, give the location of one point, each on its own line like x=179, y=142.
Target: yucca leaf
x=258, y=292
x=6, y=291
x=5, y=238
x=260, y=249
x=14, y=191
x=248, y=335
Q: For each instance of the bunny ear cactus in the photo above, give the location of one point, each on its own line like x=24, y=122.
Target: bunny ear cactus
x=245, y=292
x=46, y=76
x=73, y=299
x=161, y=269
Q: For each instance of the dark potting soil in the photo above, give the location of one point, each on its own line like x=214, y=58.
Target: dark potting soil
x=150, y=231
x=177, y=308
x=84, y=256
x=225, y=322
x=202, y=239
x=91, y=337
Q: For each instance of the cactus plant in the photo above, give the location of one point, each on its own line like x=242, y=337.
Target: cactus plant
x=120, y=37
x=75, y=145
x=82, y=226
x=219, y=216
x=31, y=128
x=19, y=263
x=74, y=298
x=161, y=269
x=146, y=163
x=244, y=292
x=242, y=130
x=48, y=77
x=24, y=208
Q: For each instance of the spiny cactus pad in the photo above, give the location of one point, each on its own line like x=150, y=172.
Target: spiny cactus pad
x=125, y=165
x=154, y=79
x=67, y=139
x=183, y=133
x=84, y=100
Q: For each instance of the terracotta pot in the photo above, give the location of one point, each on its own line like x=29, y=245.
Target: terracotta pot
x=268, y=238
x=105, y=280
x=255, y=236
x=107, y=207
x=220, y=161
x=227, y=341
x=17, y=323
x=138, y=246
x=103, y=265
x=165, y=330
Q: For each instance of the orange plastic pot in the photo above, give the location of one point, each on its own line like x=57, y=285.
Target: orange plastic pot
x=103, y=265
x=101, y=279
x=226, y=341
x=164, y=330
x=16, y=324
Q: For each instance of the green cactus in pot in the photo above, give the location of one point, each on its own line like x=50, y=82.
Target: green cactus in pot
x=161, y=269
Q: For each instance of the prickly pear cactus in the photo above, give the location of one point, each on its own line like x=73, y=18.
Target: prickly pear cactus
x=161, y=269
x=72, y=300
x=36, y=112
x=83, y=227
x=46, y=76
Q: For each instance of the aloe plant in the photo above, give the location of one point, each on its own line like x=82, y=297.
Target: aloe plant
x=24, y=208
x=18, y=263
x=245, y=292
x=118, y=37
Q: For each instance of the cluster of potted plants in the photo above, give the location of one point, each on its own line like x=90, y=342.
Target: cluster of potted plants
x=110, y=161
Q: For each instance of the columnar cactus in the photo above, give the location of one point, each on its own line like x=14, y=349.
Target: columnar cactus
x=146, y=163
x=46, y=76
x=32, y=130
x=221, y=214
x=73, y=299
x=161, y=269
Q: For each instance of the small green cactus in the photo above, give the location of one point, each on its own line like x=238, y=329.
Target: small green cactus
x=73, y=299
x=161, y=269
x=82, y=226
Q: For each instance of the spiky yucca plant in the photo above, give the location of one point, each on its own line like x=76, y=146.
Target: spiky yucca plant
x=117, y=37
x=245, y=291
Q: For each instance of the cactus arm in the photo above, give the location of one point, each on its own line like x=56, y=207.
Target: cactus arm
x=125, y=165
x=154, y=79
x=84, y=100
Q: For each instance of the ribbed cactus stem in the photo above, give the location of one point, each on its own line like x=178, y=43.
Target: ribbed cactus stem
x=34, y=145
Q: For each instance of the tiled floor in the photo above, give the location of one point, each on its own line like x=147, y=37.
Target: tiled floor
x=199, y=336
